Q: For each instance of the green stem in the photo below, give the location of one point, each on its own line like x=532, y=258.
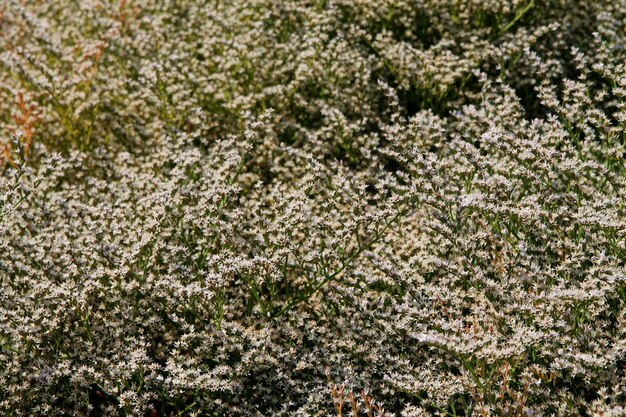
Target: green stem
x=518, y=15
x=342, y=268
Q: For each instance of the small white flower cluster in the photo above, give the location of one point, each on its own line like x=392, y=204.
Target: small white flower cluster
x=330, y=207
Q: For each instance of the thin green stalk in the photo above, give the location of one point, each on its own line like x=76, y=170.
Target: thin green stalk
x=342, y=268
x=518, y=15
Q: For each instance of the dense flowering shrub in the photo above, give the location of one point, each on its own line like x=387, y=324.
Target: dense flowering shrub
x=381, y=208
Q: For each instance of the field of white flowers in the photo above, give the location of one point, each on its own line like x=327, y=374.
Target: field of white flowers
x=312, y=208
